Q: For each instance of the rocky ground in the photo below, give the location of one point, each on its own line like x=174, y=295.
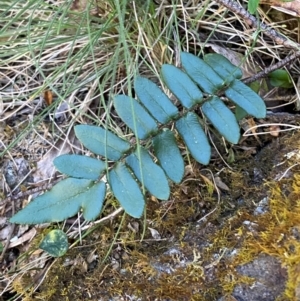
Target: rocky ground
x=227, y=233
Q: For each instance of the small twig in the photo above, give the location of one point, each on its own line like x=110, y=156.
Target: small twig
x=288, y=60
x=253, y=22
x=267, y=30
x=290, y=127
x=102, y=220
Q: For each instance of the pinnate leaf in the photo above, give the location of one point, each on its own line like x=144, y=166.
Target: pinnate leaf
x=154, y=100
x=168, y=154
x=151, y=175
x=133, y=114
x=246, y=98
x=201, y=73
x=126, y=190
x=63, y=201
x=222, y=119
x=102, y=142
x=194, y=137
x=181, y=85
x=223, y=67
x=78, y=166
x=82, y=192
x=93, y=201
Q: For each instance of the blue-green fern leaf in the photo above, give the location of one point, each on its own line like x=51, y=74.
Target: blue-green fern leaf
x=149, y=173
x=78, y=166
x=222, y=119
x=181, y=85
x=102, y=142
x=126, y=190
x=64, y=200
x=84, y=191
x=168, y=154
x=201, y=73
x=132, y=113
x=194, y=137
x=93, y=201
x=246, y=98
x=155, y=100
x=223, y=67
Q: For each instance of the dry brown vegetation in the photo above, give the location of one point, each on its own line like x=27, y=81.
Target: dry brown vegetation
x=61, y=62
